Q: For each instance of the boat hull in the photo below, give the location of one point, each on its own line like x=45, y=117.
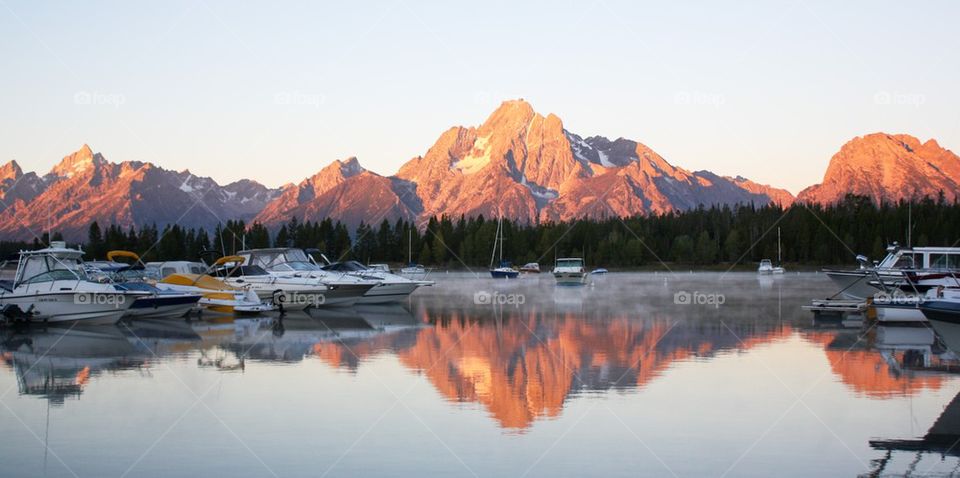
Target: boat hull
x=570, y=278
x=504, y=274
x=345, y=295
x=854, y=284
x=162, y=307
x=388, y=292
x=942, y=310
x=94, y=308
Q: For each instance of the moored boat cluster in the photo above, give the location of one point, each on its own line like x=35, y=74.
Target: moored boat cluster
x=54, y=284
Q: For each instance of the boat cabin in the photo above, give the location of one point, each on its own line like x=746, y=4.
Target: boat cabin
x=279, y=259
x=53, y=263
x=935, y=258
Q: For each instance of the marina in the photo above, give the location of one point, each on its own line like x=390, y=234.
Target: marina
x=568, y=381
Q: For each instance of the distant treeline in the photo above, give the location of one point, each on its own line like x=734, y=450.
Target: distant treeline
x=813, y=235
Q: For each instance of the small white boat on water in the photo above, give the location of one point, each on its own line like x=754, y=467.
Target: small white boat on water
x=569, y=271
x=766, y=265
x=530, y=268
x=52, y=286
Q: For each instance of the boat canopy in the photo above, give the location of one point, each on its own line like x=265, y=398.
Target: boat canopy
x=202, y=281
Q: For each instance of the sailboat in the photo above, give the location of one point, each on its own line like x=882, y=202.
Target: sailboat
x=504, y=271
x=766, y=265
x=412, y=271
x=779, y=267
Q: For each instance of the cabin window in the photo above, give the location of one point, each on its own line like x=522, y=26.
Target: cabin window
x=905, y=262
x=196, y=269
x=167, y=271
x=944, y=261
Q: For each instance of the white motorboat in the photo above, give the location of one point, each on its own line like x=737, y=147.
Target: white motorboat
x=569, y=271
x=51, y=285
x=766, y=267
x=291, y=271
x=859, y=284
x=530, y=268
x=390, y=287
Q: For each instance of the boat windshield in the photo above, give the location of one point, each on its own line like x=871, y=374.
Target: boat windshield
x=270, y=260
x=346, y=266
x=50, y=276
x=570, y=263
x=36, y=268
x=301, y=266
x=240, y=271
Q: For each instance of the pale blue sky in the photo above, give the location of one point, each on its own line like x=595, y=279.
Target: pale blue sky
x=273, y=92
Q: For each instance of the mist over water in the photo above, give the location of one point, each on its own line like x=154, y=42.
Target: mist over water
x=647, y=374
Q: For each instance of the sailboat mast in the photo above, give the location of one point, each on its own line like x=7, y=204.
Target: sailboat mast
x=501, y=239
x=779, y=261
x=493, y=253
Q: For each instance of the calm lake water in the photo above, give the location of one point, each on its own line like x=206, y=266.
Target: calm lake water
x=474, y=377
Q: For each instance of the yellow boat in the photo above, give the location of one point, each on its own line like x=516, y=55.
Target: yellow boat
x=217, y=296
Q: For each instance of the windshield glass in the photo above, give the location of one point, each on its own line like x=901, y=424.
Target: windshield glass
x=34, y=266
x=569, y=263
x=49, y=276
x=301, y=266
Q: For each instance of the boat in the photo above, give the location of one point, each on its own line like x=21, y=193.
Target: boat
x=380, y=268
x=530, y=268
x=158, y=303
x=302, y=281
x=569, y=271
x=778, y=269
x=389, y=288
x=599, y=271
x=505, y=270
x=216, y=296
x=766, y=267
x=869, y=278
x=413, y=270
x=51, y=285
x=941, y=307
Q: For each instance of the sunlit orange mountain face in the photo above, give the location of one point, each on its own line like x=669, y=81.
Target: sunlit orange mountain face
x=519, y=163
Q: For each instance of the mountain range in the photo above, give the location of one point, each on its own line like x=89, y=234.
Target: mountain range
x=518, y=163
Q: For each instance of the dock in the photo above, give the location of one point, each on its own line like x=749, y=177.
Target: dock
x=835, y=306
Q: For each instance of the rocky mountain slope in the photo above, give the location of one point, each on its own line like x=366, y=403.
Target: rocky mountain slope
x=85, y=187
x=522, y=165
x=888, y=168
